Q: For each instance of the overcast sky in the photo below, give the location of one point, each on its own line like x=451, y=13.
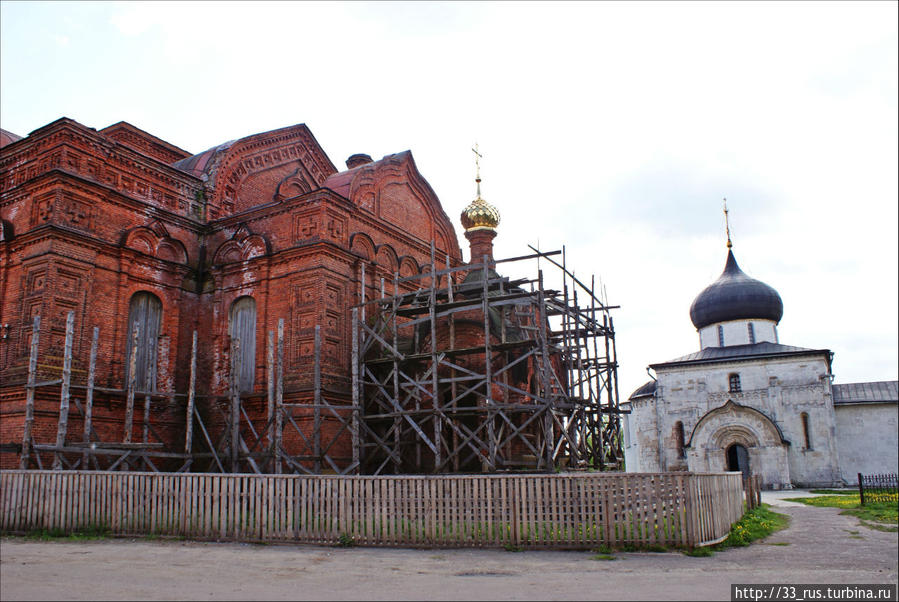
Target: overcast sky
x=614, y=129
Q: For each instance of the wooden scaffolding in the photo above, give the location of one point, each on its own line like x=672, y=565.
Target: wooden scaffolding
x=532, y=388
x=422, y=395
x=215, y=433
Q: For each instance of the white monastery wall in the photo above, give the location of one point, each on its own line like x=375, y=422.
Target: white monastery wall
x=866, y=436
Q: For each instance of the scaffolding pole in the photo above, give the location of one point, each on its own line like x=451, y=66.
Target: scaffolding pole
x=530, y=386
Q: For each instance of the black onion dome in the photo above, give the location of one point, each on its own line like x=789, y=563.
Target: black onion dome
x=735, y=296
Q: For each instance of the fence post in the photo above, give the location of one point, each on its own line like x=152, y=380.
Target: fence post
x=861, y=489
x=29, y=393
x=235, y=404
x=690, y=502
x=89, y=397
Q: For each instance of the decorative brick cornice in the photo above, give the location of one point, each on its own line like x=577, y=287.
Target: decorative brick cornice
x=58, y=176
x=77, y=238
x=65, y=144
x=129, y=135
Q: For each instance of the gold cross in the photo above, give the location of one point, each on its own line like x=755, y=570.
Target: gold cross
x=477, y=163
x=727, y=224
x=477, y=158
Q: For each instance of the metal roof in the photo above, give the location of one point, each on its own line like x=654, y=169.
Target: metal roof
x=646, y=390
x=884, y=391
x=740, y=352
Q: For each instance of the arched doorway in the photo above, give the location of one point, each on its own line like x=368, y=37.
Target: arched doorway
x=738, y=459
x=740, y=438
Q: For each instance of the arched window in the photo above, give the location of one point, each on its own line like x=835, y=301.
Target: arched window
x=144, y=313
x=242, y=325
x=679, y=439
x=751, y=330
x=733, y=383
x=720, y=336
x=806, y=434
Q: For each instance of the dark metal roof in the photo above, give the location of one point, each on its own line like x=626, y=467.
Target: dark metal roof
x=645, y=390
x=740, y=352
x=735, y=296
x=884, y=391
x=7, y=137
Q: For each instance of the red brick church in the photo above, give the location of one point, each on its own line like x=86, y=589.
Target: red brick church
x=124, y=246
x=125, y=228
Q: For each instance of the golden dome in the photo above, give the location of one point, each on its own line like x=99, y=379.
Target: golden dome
x=480, y=215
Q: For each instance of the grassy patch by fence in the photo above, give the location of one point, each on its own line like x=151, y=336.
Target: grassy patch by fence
x=756, y=524
x=883, y=516
x=85, y=534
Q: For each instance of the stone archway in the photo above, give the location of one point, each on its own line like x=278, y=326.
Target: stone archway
x=737, y=425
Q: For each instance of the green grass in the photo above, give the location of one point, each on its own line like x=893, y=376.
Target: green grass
x=655, y=547
x=835, y=491
x=85, y=534
x=883, y=516
x=345, y=541
x=756, y=524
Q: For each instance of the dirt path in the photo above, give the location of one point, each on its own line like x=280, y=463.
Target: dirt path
x=823, y=547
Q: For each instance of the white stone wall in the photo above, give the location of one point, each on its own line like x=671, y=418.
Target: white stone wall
x=631, y=457
x=782, y=389
x=736, y=332
x=641, y=451
x=866, y=436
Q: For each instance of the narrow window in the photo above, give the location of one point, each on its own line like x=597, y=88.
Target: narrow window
x=751, y=329
x=144, y=313
x=805, y=431
x=679, y=439
x=721, y=336
x=243, y=327
x=734, y=383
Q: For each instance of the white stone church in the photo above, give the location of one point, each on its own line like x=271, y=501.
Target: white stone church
x=745, y=402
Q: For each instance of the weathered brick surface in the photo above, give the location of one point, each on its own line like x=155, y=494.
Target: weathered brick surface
x=90, y=218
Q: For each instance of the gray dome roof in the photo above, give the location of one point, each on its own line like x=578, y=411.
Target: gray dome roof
x=645, y=390
x=735, y=296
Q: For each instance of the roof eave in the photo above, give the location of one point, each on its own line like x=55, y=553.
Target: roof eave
x=747, y=358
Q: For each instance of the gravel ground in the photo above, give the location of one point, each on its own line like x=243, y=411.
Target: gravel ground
x=820, y=546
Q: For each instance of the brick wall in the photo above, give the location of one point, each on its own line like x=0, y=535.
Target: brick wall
x=89, y=220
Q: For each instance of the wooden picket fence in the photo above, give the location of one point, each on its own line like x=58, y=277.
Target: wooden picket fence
x=578, y=511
